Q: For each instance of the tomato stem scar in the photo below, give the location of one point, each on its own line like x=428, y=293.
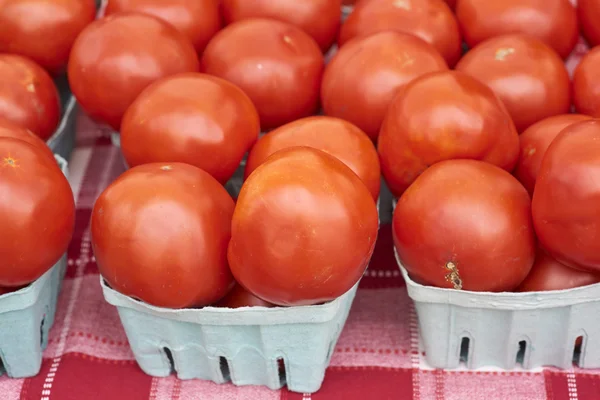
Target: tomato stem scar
x=453, y=277
x=10, y=161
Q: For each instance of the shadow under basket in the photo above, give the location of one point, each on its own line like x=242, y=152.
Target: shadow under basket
x=246, y=346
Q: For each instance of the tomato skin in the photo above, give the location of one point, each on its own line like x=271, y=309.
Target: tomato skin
x=192, y=118
x=276, y=64
x=586, y=88
x=199, y=20
x=441, y=116
x=554, y=22
x=160, y=234
x=451, y=4
x=11, y=130
x=471, y=213
x=565, y=200
x=117, y=57
x=37, y=211
x=363, y=77
x=28, y=96
x=588, y=12
x=534, y=143
x=430, y=20
x=529, y=77
x=240, y=297
x=334, y=136
x=319, y=18
x=287, y=246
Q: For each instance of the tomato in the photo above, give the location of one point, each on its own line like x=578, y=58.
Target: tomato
x=303, y=230
x=43, y=30
x=451, y=3
x=37, y=211
x=549, y=274
x=160, y=234
x=565, y=200
x=191, y=118
x=28, y=96
x=363, y=77
x=430, y=20
x=275, y=63
x=465, y=224
x=117, y=57
x=554, y=22
x=319, y=18
x=240, y=297
x=529, y=77
x=441, y=116
x=12, y=130
x=588, y=12
x=199, y=20
x=5, y=290
x=586, y=87
x=334, y=136
x=534, y=143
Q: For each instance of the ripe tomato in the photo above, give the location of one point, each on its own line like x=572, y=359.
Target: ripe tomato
x=441, y=116
x=37, y=211
x=534, y=143
x=192, y=118
x=465, y=224
x=363, y=77
x=565, y=200
x=586, y=87
x=276, y=64
x=160, y=234
x=117, y=57
x=334, y=136
x=199, y=20
x=240, y=297
x=549, y=274
x=451, y=4
x=5, y=290
x=303, y=230
x=319, y=18
x=554, y=22
x=529, y=77
x=12, y=130
x=588, y=12
x=43, y=30
x=28, y=96
x=430, y=20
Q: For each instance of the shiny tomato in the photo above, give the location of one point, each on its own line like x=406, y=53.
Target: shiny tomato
x=28, y=96
x=334, y=136
x=549, y=274
x=12, y=130
x=363, y=77
x=319, y=18
x=303, y=230
x=430, y=20
x=192, y=118
x=534, y=143
x=37, y=211
x=441, y=116
x=275, y=63
x=465, y=224
x=160, y=234
x=588, y=12
x=117, y=57
x=199, y=20
x=586, y=86
x=565, y=200
x=240, y=297
x=529, y=77
x=43, y=30
x=554, y=22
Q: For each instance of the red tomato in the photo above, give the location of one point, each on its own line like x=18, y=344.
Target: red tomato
x=451, y=3
x=529, y=77
x=5, y=290
x=534, y=143
x=586, y=86
x=303, y=230
x=192, y=118
x=430, y=20
x=28, y=96
x=588, y=12
x=441, y=116
x=276, y=64
x=565, y=200
x=363, y=77
x=240, y=297
x=43, y=30
x=160, y=234
x=12, y=130
x=549, y=274
x=117, y=57
x=334, y=136
x=199, y=20
x=319, y=18
x=37, y=211
x=554, y=22
x=465, y=224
